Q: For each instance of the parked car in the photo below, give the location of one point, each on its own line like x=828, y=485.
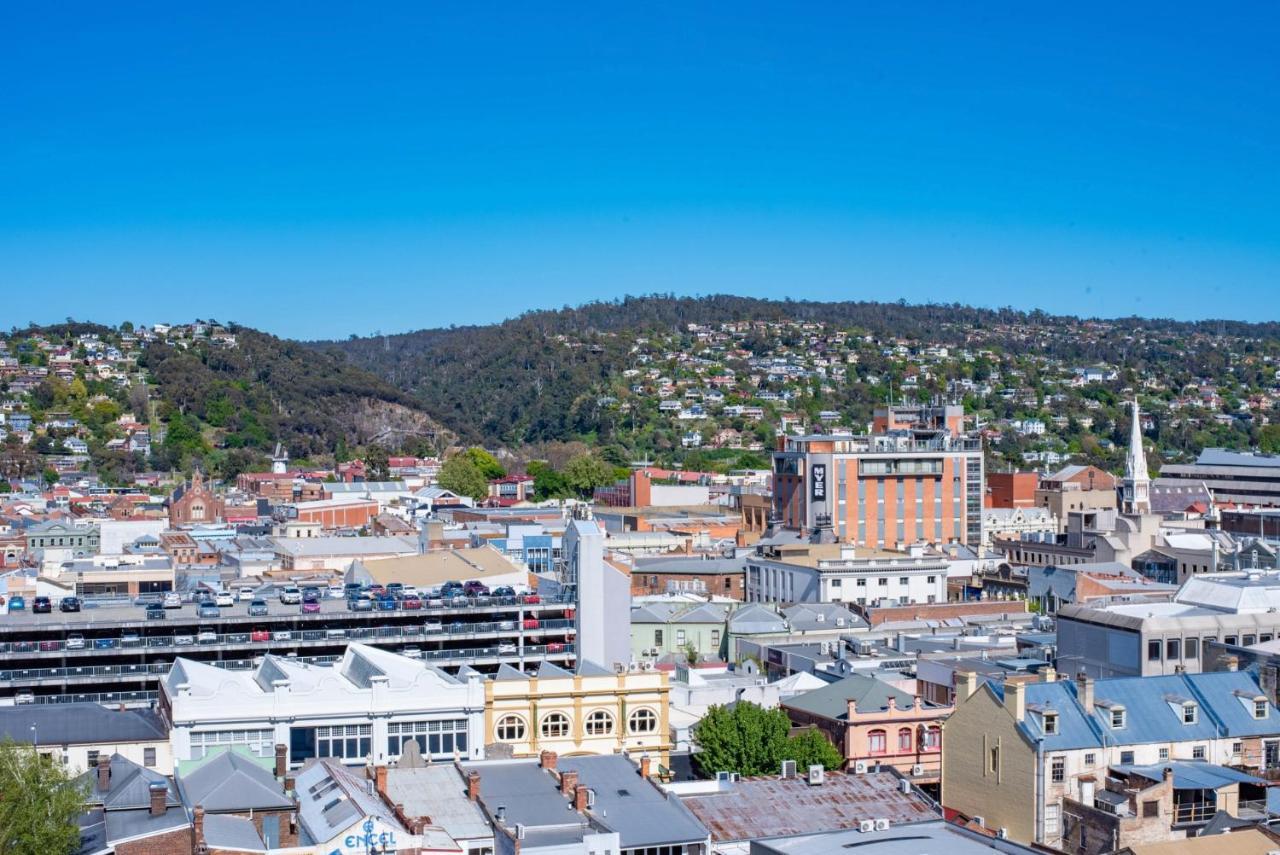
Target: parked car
x=555, y=647
x=412, y=652
x=395, y=589
x=206, y=636
x=335, y=633
x=281, y=635
x=184, y=640
x=410, y=590
x=531, y=599
x=433, y=626
x=105, y=643
x=69, y=604
x=75, y=641
x=311, y=595
x=410, y=602
x=475, y=588
x=351, y=589
x=504, y=591
x=387, y=603
x=224, y=600
x=360, y=604
x=531, y=623
x=130, y=637
x=208, y=610
x=155, y=611
x=450, y=588
x=290, y=595
x=47, y=646
x=17, y=604
x=336, y=592
x=258, y=608
x=310, y=607
x=506, y=647
x=259, y=635
x=506, y=625
x=41, y=606
x=172, y=601
x=459, y=602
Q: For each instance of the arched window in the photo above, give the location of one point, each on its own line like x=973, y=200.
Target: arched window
x=555, y=725
x=904, y=740
x=599, y=723
x=643, y=721
x=933, y=738
x=876, y=743
x=510, y=728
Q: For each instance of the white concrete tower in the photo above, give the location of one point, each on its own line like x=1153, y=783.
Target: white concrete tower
x=1136, y=488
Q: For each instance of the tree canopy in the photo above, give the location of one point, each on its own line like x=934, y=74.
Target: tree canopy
x=751, y=740
x=461, y=475
x=39, y=803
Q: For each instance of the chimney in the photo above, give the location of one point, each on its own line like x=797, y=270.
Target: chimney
x=568, y=783
x=547, y=759
x=289, y=784
x=380, y=779
x=1049, y=674
x=159, y=792
x=1084, y=691
x=1231, y=663
x=966, y=685
x=644, y=766
x=580, y=799
x=473, y=785
x=104, y=773
x=1015, y=699
x=282, y=760
x=197, y=824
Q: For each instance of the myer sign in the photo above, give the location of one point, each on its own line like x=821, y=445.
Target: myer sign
x=818, y=482
x=372, y=835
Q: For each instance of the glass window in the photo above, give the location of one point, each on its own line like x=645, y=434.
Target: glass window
x=876, y=742
x=1153, y=651
x=1197, y=753
x=643, y=721
x=933, y=738
x=657, y=638
x=1250, y=640
x=993, y=760
x=1126, y=758
x=555, y=725
x=1058, y=770
x=1050, y=723
x=148, y=757
x=511, y=728
x=344, y=741
x=1260, y=709
x=599, y=723
x=1189, y=715
x=1117, y=718
x=1173, y=649
x=1164, y=754
x=1090, y=759
x=904, y=740
x=1193, y=648
x=1229, y=639
x=438, y=739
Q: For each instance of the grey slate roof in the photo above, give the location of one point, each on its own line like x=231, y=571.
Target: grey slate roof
x=233, y=782
x=79, y=724
x=527, y=792
x=438, y=791
x=639, y=812
x=232, y=832
x=833, y=701
x=129, y=786
x=756, y=618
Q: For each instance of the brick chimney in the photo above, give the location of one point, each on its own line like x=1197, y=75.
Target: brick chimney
x=1015, y=699
x=290, y=784
x=104, y=773
x=473, y=785
x=568, y=783
x=282, y=760
x=644, y=766
x=380, y=779
x=159, y=793
x=1231, y=663
x=547, y=759
x=580, y=799
x=197, y=824
x=1084, y=691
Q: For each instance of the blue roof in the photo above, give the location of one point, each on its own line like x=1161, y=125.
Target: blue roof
x=1190, y=775
x=1153, y=710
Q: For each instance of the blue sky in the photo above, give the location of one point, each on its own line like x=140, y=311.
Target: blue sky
x=323, y=169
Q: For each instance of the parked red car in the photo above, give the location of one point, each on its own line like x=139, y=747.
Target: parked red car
x=531, y=623
x=410, y=602
x=555, y=647
x=531, y=599
x=259, y=635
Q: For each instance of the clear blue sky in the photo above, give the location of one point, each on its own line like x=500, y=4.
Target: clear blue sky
x=320, y=169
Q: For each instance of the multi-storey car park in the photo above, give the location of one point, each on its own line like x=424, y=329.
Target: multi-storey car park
x=113, y=654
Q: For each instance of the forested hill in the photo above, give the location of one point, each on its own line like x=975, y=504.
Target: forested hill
x=543, y=376
x=263, y=389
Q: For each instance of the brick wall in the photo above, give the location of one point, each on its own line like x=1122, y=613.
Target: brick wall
x=176, y=842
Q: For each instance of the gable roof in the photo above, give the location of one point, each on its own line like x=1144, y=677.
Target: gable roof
x=80, y=724
x=230, y=781
x=832, y=700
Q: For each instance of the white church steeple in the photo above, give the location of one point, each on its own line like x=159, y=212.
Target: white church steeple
x=1136, y=487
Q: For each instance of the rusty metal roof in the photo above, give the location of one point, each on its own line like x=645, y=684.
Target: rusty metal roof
x=753, y=808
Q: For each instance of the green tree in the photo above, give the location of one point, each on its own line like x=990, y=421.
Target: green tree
x=50, y=476
x=1269, y=439
x=810, y=748
x=39, y=803
x=377, y=465
x=747, y=739
x=461, y=475
x=488, y=465
x=547, y=482
x=585, y=472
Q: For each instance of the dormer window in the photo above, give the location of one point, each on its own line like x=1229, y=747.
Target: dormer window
x=1050, y=723
x=1260, y=708
x=1117, y=718
x=1189, y=714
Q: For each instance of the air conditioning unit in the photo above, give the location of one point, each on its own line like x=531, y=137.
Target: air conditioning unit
x=1002, y=833
x=979, y=821
x=904, y=786
x=591, y=798
x=788, y=768
x=860, y=767
x=917, y=770
x=882, y=824
x=519, y=831
x=728, y=777
x=815, y=774
x=866, y=825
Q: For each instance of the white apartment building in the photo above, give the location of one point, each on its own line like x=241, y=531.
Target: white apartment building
x=361, y=709
x=836, y=573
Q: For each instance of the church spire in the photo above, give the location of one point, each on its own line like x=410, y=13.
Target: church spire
x=1137, y=482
